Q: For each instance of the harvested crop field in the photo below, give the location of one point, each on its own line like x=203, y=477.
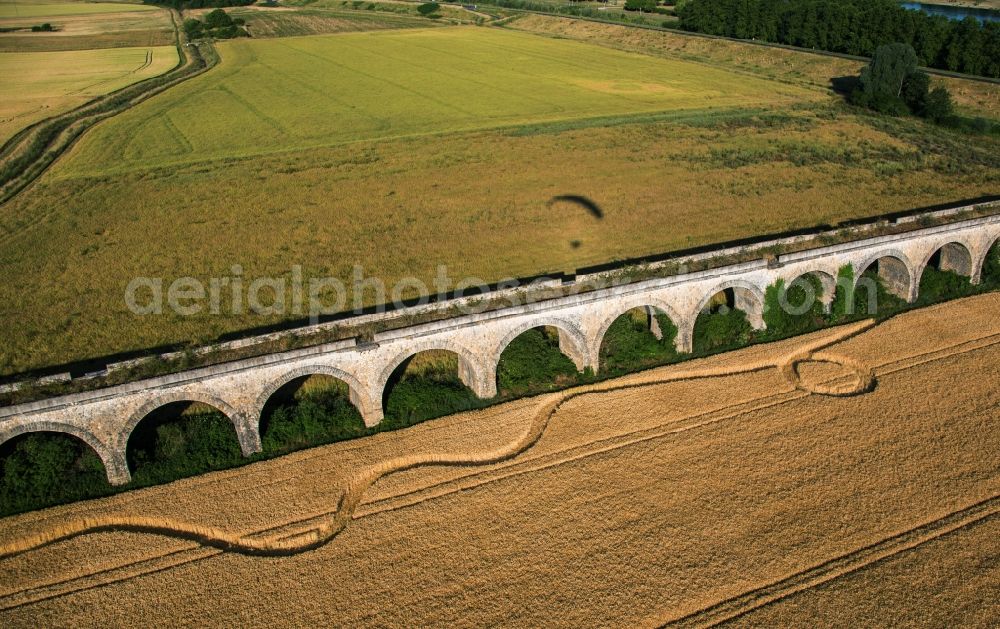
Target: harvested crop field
x=318, y=18
x=86, y=31
x=679, y=494
x=17, y=9
x=43, y=84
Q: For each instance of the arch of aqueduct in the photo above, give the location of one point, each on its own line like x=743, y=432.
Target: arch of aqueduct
x=104, y=418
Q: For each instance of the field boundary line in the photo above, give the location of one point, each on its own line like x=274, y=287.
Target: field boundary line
x=830, y=570
x=939, y=354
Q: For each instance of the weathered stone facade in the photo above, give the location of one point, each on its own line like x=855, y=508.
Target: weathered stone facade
x=105, y=418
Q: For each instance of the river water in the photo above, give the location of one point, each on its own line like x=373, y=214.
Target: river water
x=954, y=13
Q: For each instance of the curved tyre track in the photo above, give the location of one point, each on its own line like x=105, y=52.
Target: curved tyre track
x=350, y=497
x=186, y=554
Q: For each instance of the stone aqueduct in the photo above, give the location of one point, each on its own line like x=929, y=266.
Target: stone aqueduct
x=105, y=418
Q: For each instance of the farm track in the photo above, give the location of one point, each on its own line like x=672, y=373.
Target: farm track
x=148, y=61
x=298, y=529
x=853, y=561
x=30, y=152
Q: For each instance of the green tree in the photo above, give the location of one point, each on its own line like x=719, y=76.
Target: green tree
x=640, y=5
x=428, y=8
x=915, y=89
x=939, y=106
x=218, y=19
x=889, y=67
x=193, y=28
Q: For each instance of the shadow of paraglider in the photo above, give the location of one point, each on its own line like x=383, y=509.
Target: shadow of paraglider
x=577, y=199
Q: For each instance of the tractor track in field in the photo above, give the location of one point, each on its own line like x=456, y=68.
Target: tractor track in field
x=301, y=530
x=858, y=559
x=350, y=497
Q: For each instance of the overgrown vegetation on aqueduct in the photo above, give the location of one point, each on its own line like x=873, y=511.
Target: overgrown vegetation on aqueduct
x=747, y=137
x=41, y=469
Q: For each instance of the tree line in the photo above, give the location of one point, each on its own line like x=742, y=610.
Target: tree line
x=201, y=4
x=217, y=24
x=855, y=27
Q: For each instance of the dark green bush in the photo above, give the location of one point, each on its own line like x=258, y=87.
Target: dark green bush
x=640, y=5
x=845, y=303
x=991, y=268
x=428, y=8
x=217, y=19
x=165, y=447
x=939, y=106
x=915, y=89
x=413, y=398
x=533, y=363
x=937, y=285
x=727, y=328
x=855, y=299
x=44, y=468
x=316, y=418
x=886, y=303
x=193, y=28
x=630, y=345
x=794, y=309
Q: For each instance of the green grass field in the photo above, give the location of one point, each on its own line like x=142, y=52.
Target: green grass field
x=53, y=9
x=403, y=150
x=289, y=94
x=42, y=84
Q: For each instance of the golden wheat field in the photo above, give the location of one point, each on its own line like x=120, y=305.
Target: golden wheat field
x=722, y=490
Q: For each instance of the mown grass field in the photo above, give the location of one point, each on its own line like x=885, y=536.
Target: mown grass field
x=289, y=94
x=41, y=84
x=402, y=151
